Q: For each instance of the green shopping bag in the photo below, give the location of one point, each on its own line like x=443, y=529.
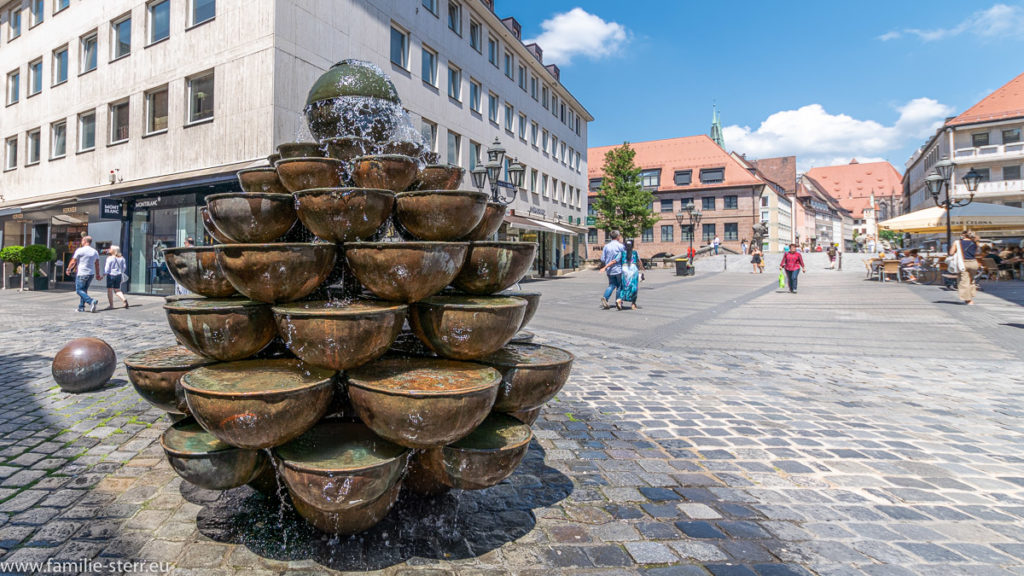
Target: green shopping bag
x=782, y=279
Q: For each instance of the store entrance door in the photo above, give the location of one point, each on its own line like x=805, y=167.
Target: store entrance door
x=152, y=230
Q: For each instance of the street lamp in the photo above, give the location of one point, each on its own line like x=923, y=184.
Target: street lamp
x=939, y=180
x=491, y=172
x=689, y=217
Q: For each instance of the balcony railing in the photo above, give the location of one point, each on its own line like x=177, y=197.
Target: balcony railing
x=998, y=188
x=994, y=152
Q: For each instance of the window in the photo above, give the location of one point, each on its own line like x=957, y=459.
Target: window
x=578, y=162
x=562, y=152
x=455, y=17
x=707, y=203
x=474, y=96
x=534, y=132
x=647, y=235
x=429, y=131
x=492, y=49
x=1012, y=135
x=202, y=11
x=544, y=185
x=11, y=153
x=979, y=139
x=533, y=180
x=36, y=12
x=13, y=86
x=35, y=77
x=554, y=146
x=158, y=17
x=88, y=51
x=650, y=178
x=686, y=232
x=732, y=231
x=544, y=97
x=14, y=21
x=121, y=37
x=60, y=65
x=119, y=122
x=200, y=97
x=533, y=87
x=709, y=232
x=509, y=117
x=683, y=177
x=474, y=154
x=562, y=111
x=554, y=105
x=454, y=83
x=32, y=148
x=544, y=141
x=474, y=36
x=156, y=111
x=667, y=232
x=508, y=65
x=594, y=184
x=522, y=77
x=429, y=68
x=58, y=139
x=86, y=131
x=666, y=205
x=454, y=147
x=712, y=175
x=60, y=5
x=764, y=201
x=984, y=173
x=492, y=107
x=522, y=127
x=431, y=5
x=730, y=203
x=1011, y=172
x=684, y=202
x=592, y=236
x=399, y=48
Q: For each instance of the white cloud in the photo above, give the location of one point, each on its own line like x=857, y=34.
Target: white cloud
x=999, y=21
x=818, y=138
x=577, y=32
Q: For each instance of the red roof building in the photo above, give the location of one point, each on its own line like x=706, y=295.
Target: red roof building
x=870, y=192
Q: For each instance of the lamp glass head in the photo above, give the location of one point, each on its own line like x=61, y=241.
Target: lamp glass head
x=479, y=176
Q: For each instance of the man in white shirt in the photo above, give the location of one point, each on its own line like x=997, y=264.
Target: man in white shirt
x=84, y=262
x=716, y=243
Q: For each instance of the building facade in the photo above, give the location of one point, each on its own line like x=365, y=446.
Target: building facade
x=122, y=116
x=870, y=193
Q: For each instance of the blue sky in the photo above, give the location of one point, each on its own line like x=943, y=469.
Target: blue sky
x=825, y=81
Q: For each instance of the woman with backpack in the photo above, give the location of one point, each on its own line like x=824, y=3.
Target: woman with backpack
x=792, y=264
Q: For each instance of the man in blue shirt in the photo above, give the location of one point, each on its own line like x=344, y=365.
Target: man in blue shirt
x=612, y=266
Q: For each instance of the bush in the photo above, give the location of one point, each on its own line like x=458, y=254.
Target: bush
x=13, y=254
x=37, y=254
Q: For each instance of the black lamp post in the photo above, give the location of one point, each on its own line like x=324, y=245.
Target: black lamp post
x=689, y=217
x=939, y=180
x=491, y=172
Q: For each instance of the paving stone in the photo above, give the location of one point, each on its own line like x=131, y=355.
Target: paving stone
x=699, y=530
x=650, y=552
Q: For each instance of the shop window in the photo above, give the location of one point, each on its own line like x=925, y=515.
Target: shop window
x=158, y=19
x=200, y=97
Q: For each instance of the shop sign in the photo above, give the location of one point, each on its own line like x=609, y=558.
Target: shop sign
x=69, y=209
x=148, y=203
x=18, y=216
x=173, y=201
x=591, y=220
x=110, y=209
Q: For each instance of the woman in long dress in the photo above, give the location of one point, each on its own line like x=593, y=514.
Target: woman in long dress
x=631, y=269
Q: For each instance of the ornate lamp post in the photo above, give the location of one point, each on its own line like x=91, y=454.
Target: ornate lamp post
x=491, y=172
x=939, y=180
x=689, y=217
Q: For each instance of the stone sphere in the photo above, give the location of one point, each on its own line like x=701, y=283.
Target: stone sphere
x=84, y=365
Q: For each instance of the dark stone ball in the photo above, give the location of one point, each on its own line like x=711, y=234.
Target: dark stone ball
x=84, y=365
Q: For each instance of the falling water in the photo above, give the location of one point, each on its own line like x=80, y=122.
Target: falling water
x=281, y=504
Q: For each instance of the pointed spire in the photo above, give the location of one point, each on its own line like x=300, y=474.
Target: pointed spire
x=716, y=128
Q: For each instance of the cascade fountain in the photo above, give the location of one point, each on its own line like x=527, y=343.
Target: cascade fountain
x=294, y=357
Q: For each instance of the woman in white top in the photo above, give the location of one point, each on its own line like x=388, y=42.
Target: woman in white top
x=114, y=270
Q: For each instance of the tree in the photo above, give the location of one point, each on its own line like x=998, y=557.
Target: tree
x=37, y=254
x=622, y=203
x=15, y=255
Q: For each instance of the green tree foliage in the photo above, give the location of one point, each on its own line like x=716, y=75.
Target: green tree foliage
x=13, y=254
x=622, y=203
x=37, y=254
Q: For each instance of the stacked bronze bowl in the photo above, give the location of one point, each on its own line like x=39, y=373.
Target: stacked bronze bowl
x=296, y=342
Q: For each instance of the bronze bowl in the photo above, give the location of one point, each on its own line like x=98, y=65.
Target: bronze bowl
x=342, y=477
x=195, y=268
x=440, y=215
x=212, y=229
x=485, y=457
x=403, y=147
x=422, y=402
x=156, y=375
x=344, y=214
x=522, y=337
x=494, y=266
x=252, y=216
x=528, y=417
x=532, y=303
x=345, y=148
x=387, y=171
x=273, y=158
x=83, y=365
x=305, y=173
x=439, y=177
x=494, y=215
x=260, y=179
x=405, y=271
x=289, y=150
x=531, y=374
x=200, y=458
x=276, y=272
x=230, y=329
x=339, y=336
x=466, y=327
x=258, y=404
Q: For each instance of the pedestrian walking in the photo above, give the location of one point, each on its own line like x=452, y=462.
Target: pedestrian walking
x=757, y=261
x=792, y=264
x=612, y=266
x=965, y=251
x=832, y=252
x=743, y=246
x=632, y=273
x=716, y=243
x=114, y=269
x=83, y=263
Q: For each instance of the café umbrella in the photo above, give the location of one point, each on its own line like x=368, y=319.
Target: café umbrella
x=974, y=216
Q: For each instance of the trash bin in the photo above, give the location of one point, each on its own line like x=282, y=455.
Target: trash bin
x=683, y=267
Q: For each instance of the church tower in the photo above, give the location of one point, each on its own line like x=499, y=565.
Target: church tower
x=716, y=128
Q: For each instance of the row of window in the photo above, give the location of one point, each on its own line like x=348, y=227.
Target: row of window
x=707, y=203
x=1010, y=136
x=651, y=179
x=199, y=92
x=708, y=232
x=158, y=24
x=37, y=14
x=1009, y=173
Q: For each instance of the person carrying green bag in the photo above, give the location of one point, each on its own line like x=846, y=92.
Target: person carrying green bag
x=792, y=264
x=782, y=279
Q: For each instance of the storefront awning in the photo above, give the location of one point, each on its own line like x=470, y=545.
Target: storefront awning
x=524, y=223
x=555, y=227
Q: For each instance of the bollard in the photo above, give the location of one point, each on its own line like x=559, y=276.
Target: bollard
x=840, y=261
x=725, y=262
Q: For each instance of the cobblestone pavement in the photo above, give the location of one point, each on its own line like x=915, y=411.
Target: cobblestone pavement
x=726, y=428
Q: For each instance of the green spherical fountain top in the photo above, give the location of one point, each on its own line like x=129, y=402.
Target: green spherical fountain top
x=353, y=78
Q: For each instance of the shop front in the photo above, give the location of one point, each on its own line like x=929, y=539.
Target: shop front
x=558, y=246
x=155, y=223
